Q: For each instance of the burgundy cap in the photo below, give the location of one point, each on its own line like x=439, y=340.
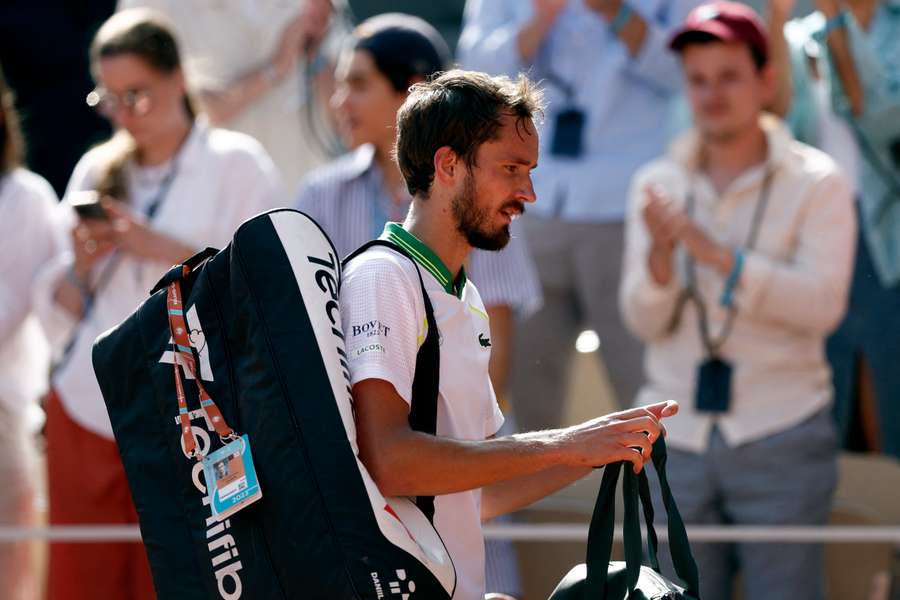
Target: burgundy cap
x=726, y=21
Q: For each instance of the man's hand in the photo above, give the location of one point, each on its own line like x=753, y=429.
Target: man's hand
x=780, y=10
x=663, y=221
x=668, y=226
x=290, y=46
x=705, y=249
x=532, y=35
x=626, y=435
x=548, y=10
x=316, y=20
x=604, y=8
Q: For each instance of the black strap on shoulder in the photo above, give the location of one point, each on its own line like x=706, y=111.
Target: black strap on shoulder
x=423, y=409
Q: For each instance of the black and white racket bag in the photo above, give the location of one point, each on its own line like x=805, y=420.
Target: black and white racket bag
x=265, y=340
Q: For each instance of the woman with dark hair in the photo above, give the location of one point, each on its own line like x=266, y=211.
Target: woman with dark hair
x=26, y=227
x=165, y=185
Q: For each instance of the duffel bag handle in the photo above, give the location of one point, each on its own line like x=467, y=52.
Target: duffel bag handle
x=179, y=271
x=600, y=535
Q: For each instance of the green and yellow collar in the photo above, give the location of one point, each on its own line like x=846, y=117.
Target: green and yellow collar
x=394, y=232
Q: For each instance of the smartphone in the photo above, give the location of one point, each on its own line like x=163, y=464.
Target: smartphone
x=87, y=205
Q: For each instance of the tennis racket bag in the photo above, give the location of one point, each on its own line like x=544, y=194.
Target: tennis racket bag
x=255, y=343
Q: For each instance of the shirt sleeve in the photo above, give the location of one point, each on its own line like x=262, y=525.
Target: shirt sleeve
x=647, y=307
x=870, y=69
x=27, y=222
x=489, y=39
x=809, y=292
x=655, y=63
x=496, y=419
x=383, y=317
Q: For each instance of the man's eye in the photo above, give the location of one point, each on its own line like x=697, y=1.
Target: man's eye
x=510, y=168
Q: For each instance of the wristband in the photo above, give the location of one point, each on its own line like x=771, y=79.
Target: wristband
x=727, y=298
x=838, y=21
x=621, y=19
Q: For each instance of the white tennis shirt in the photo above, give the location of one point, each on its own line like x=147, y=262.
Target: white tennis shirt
x=384, y=324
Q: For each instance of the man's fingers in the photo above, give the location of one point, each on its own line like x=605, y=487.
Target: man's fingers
x=634, y=457
x=668, y=408
x=646, y=424
x=639, y=442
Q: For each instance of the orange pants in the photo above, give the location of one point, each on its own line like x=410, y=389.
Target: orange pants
x=87, y=486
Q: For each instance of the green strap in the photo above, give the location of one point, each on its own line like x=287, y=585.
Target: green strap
x=636, y=489
x=647, y=504
x=631, y=528
x=679, y=546
x=600, y=535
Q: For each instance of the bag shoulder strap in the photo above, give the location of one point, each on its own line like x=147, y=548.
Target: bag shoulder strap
x=600, y=535
x=423, y=409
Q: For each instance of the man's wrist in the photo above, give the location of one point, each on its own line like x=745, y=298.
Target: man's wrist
x=608, y=9
x=621, y=18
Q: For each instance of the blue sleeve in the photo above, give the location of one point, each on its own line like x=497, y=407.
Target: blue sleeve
x=655, y=63
x=872, y=65
x=489, y=38
x=802, y=116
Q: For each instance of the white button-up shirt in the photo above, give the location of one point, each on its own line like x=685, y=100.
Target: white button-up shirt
x=222, y=179
x=791, y=294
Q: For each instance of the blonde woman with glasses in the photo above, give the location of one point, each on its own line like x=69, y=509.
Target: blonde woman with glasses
x=164, y=186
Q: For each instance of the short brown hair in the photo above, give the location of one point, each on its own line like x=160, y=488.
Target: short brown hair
x=459, y=109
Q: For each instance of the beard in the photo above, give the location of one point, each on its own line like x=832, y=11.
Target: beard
x=474, y=222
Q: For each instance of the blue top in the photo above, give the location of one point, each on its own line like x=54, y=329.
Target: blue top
x=876, y=54
x=625, y=98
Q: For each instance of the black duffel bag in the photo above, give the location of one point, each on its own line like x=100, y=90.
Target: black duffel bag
x=266, y=340
x=600, y=579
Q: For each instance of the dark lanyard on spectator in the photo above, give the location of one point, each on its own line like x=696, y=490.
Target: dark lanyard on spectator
x=712, y=345
x=111, y=266
x=184, y=356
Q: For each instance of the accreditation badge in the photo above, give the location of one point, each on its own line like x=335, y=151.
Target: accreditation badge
x=231, y=478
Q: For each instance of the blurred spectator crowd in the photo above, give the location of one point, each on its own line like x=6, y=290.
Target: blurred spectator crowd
x=718, y=208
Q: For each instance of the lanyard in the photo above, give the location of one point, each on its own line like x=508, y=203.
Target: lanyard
x=713, y=345
x=184, y=355
x=110, y=268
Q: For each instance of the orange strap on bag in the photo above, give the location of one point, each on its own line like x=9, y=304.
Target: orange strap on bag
x=184, y=355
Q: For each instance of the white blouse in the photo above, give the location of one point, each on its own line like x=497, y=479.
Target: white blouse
x=221, y=178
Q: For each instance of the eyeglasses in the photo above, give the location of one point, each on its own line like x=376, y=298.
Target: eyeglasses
x=138, y=102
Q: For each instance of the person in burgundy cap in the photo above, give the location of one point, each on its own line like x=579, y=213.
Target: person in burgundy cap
x=739, y=247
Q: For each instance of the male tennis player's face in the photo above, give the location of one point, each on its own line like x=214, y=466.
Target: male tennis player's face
x=498, y=186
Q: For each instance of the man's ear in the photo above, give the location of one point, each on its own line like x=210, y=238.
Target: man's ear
x=447, y=166
x=769, y=77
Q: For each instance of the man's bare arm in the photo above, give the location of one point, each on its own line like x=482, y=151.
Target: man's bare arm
x=508, y=496
x=404, y=462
